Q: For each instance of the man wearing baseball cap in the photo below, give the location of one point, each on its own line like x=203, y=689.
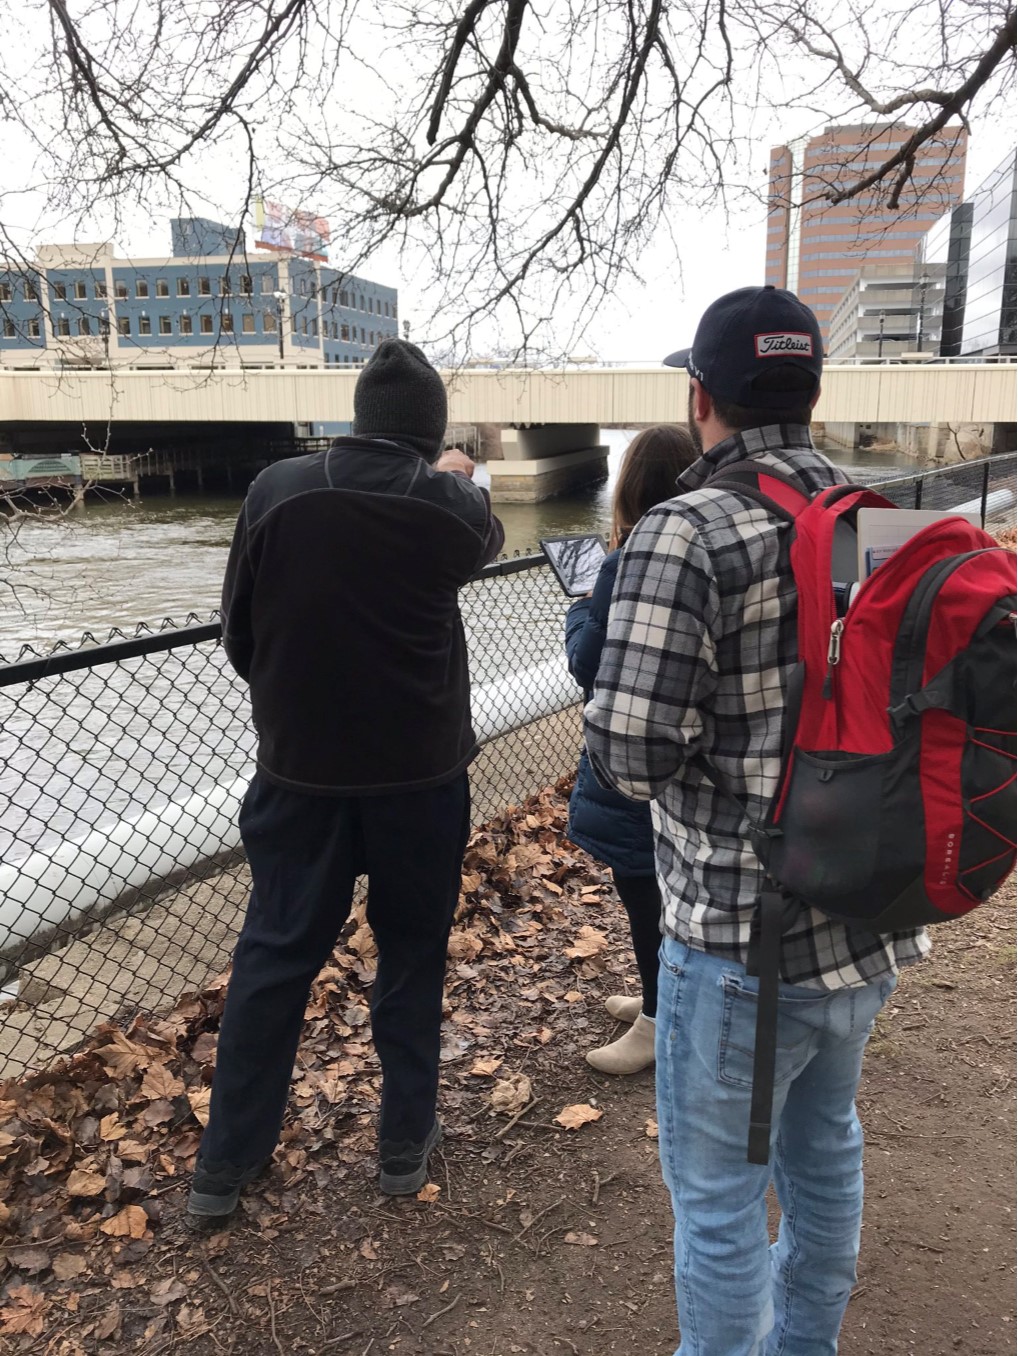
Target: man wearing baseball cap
x=688, y=712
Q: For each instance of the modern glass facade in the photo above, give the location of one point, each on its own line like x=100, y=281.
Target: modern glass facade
x=210, y=302
x=973, y=249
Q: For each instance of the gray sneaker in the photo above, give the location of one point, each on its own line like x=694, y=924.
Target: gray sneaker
x=216, y=1188
x=404, y=1164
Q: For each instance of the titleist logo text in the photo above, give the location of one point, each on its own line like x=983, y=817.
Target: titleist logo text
x=772, y=345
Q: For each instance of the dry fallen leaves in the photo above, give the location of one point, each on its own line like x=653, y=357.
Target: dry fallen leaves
x=131, y=1222
x=650, y=1128
x=511, y=1094
x=24, y=1312
x=83, y=1183
x=589, y=942
x=572, y=1117
x=484, y=1067
x=159, y=1082
x=580, y=1240
x=429, y=1192
x=200, y=1099
x=67, y=1265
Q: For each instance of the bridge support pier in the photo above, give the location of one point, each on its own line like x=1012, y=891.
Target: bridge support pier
x=545, y=460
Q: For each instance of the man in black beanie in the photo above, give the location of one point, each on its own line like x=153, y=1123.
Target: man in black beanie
x=340, y=609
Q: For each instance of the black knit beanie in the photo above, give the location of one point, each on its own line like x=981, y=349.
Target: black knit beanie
x=400, y=396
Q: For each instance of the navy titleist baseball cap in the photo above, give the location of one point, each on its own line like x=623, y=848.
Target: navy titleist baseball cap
x=747, y=333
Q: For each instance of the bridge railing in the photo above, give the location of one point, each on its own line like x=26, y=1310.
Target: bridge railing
x=122, y=765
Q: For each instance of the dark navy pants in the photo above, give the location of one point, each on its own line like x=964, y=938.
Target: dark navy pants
x=305, y=853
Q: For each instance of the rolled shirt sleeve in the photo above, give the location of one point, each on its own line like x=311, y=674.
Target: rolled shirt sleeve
x=658, y=667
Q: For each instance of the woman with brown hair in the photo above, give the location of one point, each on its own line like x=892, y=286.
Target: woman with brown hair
x=612, y=829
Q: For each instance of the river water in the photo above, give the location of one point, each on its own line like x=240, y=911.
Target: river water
x=121, y=562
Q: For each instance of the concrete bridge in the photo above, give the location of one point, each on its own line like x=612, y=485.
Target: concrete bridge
x=557, y=412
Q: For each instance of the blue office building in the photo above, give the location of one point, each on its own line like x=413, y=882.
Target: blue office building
x=211, y=303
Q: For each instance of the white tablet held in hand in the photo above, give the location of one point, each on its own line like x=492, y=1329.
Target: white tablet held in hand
x=576, y=560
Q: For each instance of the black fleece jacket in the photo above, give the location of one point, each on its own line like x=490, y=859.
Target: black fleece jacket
x=340, y=609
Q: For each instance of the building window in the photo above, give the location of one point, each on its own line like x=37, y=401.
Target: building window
x=31, y=292
x=183, y=287
x=63, y=327
x=162, y=287
x=144, y=325
x=99, y=289
x=5, y=291
x=84, y=325
x=293, y=324
x=246, y=287
x=361, y=300
x=8, y=329
x=204, y=287
x=268, y=322
x=344, y=299
x=363, y=336
x=205, y=324
x=79, y=291
x=266, y=284
x=335, y=295
x=141, y=288
x=344, y=332
x=165, y=325
x=304, y=325
x=247, y=324
x=34, y=329
x=314, y=329
x=123, y=324
x=224, y=285
x=226, y=323
x=186, y=324
x=59, y=292
x=120, y=291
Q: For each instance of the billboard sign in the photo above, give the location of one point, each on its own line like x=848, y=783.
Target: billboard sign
x=292, y=231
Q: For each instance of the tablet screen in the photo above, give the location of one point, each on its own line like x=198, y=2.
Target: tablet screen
x=576, y=561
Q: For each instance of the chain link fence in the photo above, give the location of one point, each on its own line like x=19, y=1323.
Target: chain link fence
x=985, y=487
x=122, y=766
x=123, y=882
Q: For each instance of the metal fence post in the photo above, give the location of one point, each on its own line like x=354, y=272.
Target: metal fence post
x=986, y=491
x=919, y=482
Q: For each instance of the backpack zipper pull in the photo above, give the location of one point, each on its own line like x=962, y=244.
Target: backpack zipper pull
x=833, y=657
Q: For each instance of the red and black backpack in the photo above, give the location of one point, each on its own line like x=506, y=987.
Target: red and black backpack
x=896, y=803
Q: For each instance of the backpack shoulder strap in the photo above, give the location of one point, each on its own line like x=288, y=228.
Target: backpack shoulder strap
x=771, y=489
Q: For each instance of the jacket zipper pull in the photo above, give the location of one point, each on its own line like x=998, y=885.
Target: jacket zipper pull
x=833, y=657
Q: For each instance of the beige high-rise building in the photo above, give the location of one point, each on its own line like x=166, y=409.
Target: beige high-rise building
x=815, y=249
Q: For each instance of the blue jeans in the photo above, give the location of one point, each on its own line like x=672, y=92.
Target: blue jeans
x=736, y=1296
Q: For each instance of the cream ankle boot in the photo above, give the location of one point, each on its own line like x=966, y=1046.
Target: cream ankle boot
x=624, y=1009
x=630, y=1053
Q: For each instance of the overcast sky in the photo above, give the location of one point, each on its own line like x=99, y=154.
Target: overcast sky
x=701, y=254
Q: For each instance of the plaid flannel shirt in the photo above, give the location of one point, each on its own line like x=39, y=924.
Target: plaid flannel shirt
x=690, y=698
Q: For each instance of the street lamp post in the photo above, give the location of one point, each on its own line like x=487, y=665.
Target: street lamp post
x=880, y=340
x=924, y=282
x=280, y=297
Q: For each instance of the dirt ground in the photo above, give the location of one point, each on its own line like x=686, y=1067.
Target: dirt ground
x=540, y=1239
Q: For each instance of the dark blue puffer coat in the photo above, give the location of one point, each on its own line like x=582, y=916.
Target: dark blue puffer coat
x=616, y=831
